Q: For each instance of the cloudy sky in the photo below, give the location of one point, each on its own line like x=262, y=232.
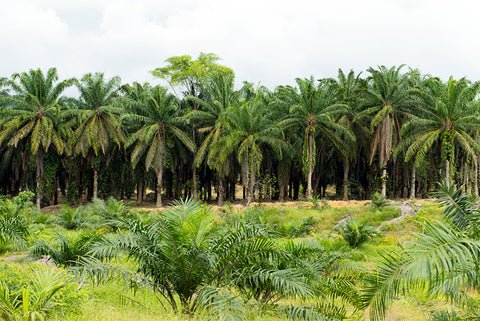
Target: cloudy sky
x=271, y=42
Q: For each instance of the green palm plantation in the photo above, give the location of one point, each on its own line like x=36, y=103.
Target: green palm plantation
x=157, y=114
x=445, y=118
x=98, y=119
x=344, y=132
x=218, y=96
x=314, y=108
x=388, y=100
x=248, y=129
x=33, y=114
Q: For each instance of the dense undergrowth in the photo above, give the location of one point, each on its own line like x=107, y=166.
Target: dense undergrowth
x=108, y=261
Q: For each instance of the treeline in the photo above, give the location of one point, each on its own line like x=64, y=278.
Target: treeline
x=391, y=130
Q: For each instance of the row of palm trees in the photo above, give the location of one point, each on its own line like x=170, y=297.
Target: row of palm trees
x=368, y=133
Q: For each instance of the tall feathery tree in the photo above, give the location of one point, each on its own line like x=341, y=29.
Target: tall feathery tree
x=446, y=117
x=249, y=128
x=98, y=119
x=32, y=113
x=387, y=99
x=182, y=71
x=158, y=117
x=349, y=89
x=218, y=95
x=133, y=94
x=474, y=109
x=314, y=108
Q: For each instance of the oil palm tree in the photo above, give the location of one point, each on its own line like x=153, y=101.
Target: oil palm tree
x=14, y=226
x=158, y=115
x=446, y=117
x=36, y=300
x=350, y=89
x=197, y=266
x=249, y=128
x=218, y=95
x=314, y=108
x=65, y=250
x=33, y=114
x=97, y=117
x=387, y=99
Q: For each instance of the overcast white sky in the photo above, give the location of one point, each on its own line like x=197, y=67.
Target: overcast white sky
x=271, y=42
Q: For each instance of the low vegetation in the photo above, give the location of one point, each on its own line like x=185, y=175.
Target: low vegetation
x=260, y=263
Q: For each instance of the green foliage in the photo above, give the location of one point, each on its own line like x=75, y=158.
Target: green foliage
x=65, y=250
x=459, y=208
x=183, y=253
x=37, y=293
x=73, y=218
x=305, y=227
x=469, y=312
x=314, y=200
x=13, y=222
x=442, y=259
x=355, y=233
x=109, y=211
x=96, y=116
x=24, y=199
x=379, y=201
x=448, y=116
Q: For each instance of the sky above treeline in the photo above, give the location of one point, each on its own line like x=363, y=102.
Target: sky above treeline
x=271, y=42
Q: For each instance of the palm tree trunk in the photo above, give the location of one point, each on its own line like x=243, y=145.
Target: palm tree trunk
x=310, y=163
x=384, y=181
x=140, y=190
x=447, y=170
x=245, y=168
x=282, y=171
x=412, y=185
x=475, y=178
x=194, y=134
x=465, y=176
x=195, y=187
x=159, y=186
x=251, y=183
x=160, y=173
x=39, y=177
x=95, y=181
x=220, y=196
x=346, y=168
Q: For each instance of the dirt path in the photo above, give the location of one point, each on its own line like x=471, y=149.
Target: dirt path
x=407, y=208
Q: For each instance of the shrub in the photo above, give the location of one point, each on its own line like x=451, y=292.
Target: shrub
x=355, y=233
x=37, y=292
x=72, y=218
x=314, y=201
x=305, y=227
x=378, y=201
x=13, y=223
x=65, y=250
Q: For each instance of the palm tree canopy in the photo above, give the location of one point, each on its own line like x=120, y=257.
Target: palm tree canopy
x=314, y=107
x=156, y=113
x=447, y=116
x=34, y=110
x=218, y=95
x=97, y=114
x=387, y=100
x=247, y=127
